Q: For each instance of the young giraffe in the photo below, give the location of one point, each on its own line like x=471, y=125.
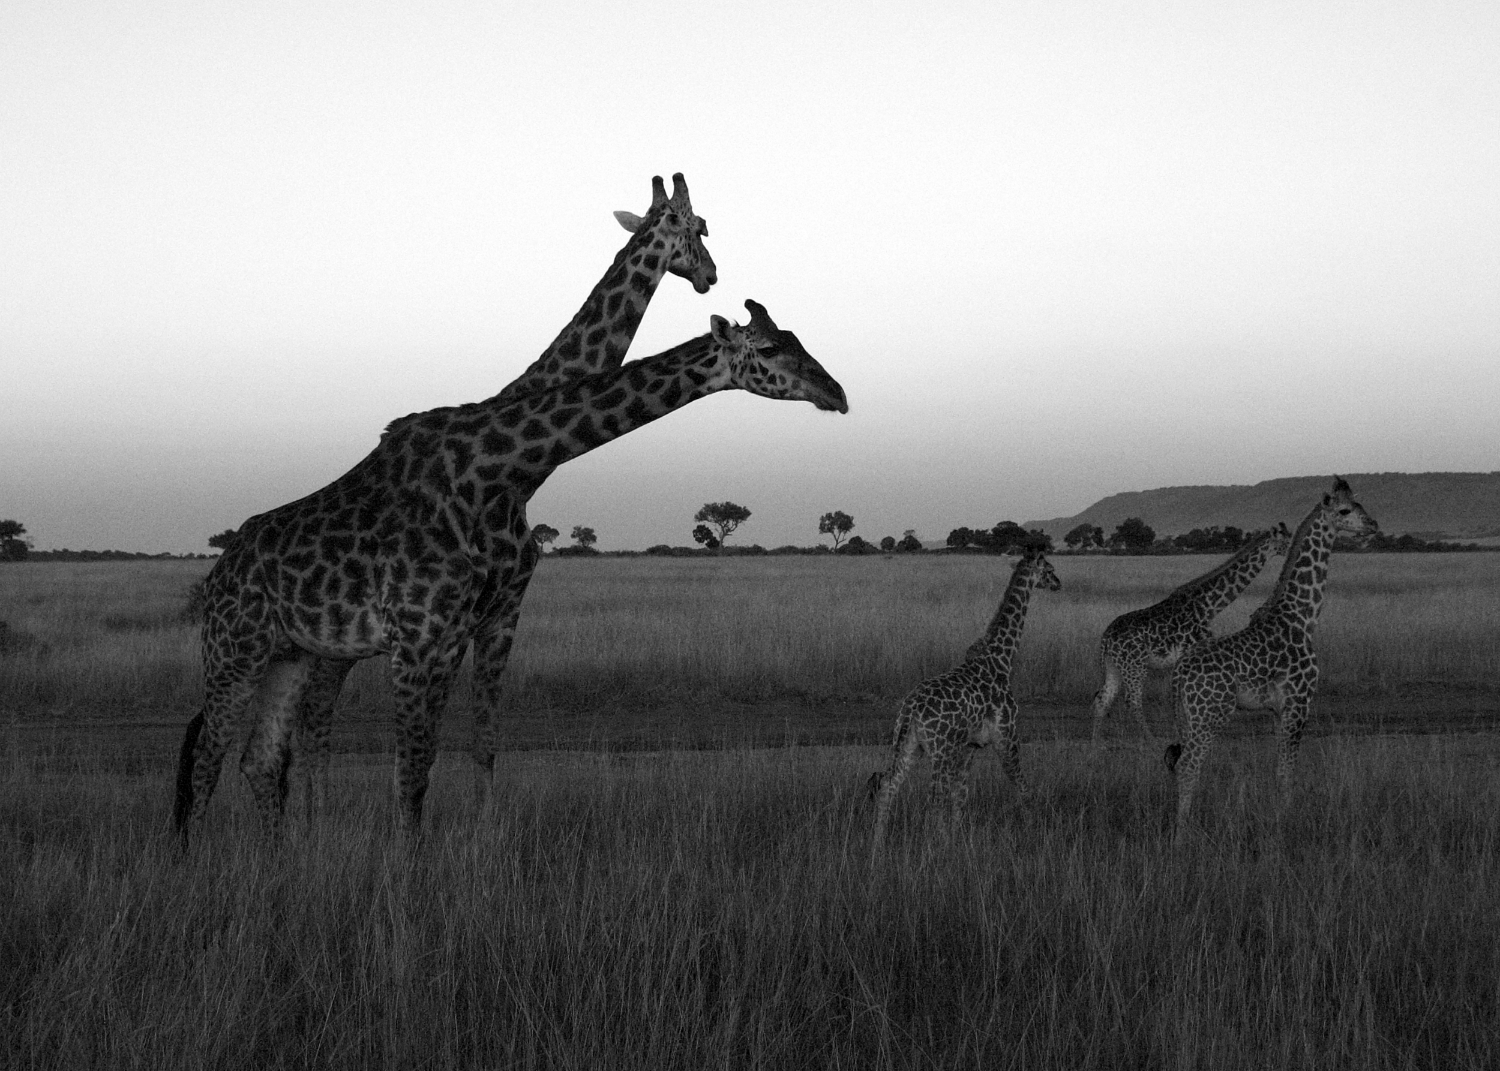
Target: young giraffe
x=1156, y=637
x=968, y=707
x=1270, y=663
x=667, y=239
x=404, y=553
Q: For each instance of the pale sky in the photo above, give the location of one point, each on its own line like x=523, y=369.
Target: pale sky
x=1052, y=250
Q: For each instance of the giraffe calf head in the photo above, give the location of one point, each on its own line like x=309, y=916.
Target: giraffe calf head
x=1042, y=573
x=1281, y=538
x=1348, y=515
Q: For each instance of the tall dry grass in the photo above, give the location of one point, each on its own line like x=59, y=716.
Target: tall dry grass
x=716, y=910
x=104, y=642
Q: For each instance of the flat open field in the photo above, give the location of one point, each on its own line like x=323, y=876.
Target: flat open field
x=622, y=902
x=660, y=652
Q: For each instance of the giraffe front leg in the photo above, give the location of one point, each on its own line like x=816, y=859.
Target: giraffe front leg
x=313, y=728
x=1010, y=746
x=1200, y=716
x=420, y=678
x=1290, y=722
x=492, y=646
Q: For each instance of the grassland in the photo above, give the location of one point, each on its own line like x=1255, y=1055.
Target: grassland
x=671, y=908
x=698, y=909
x=106, y=643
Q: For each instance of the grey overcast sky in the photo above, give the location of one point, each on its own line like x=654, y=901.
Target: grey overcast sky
x=1052, y=250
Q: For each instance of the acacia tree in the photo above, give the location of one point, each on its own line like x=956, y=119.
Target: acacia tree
x=705, y=535
x=725, y=516
x=1084, y=535
x=1008, y=534
x=584, y=537
x=12, y=547
x=223, y=539
x=909, y=542
x=837, y=524
x=1133, y=534
x=542, y=534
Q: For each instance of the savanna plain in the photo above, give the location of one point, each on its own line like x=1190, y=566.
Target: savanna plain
x=672, y=867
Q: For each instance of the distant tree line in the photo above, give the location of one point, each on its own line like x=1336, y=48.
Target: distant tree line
x=1131, y=536
x=1004, y=538
x=1135, y=536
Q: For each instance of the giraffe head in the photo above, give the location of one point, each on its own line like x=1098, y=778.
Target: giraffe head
x=1043, y=576
x=1280, y=538
x=763, y=359
x=1346, y=514
x=671, y=231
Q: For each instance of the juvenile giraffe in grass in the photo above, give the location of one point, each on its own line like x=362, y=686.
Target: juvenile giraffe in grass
x=1269, y=664
x=968, y=707
x=403, y=554
x=1157, y=636
x=667, y=239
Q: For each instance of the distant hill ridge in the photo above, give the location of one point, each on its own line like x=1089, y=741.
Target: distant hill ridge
x=1431, y=505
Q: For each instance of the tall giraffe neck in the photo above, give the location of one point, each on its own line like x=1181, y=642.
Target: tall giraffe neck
x=1004, y=630
x=1218, y=588
x=1299, y=589
x=600, y=333
x=486, y=450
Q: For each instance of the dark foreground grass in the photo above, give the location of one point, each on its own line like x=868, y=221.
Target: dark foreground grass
x=717, y=909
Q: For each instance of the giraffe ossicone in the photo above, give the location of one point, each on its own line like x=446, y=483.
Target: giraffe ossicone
x=970, y=706
x=1270, y=664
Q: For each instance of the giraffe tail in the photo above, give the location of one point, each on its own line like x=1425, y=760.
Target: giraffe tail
x=1174, y=750
x=903, y=730
x=183, y=805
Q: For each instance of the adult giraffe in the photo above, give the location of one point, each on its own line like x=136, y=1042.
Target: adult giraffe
x=399, y=555
x=1157, y=636
x=667, y=239
x=1269, y=664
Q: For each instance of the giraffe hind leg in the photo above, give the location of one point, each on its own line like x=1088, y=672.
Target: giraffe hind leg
x=1135, y=695
x=229, y=686
x=1105, y=696
x=950, y=780
x=904, y=755
x=268, y=754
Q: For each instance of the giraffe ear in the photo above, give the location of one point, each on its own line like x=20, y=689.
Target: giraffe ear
x=723, y=332
x=629, y=220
